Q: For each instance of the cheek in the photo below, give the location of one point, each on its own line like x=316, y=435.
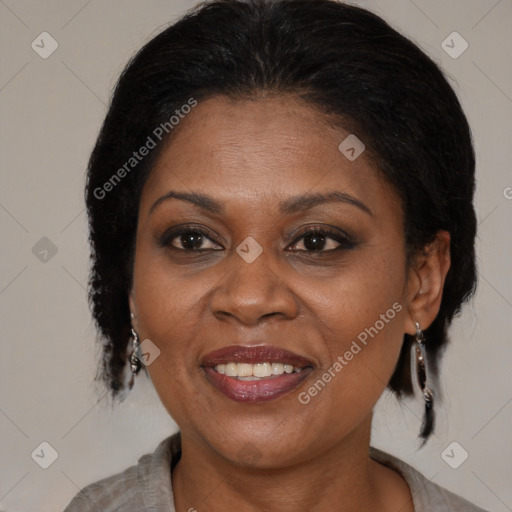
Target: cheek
x=362, y=311
x=168, y=298
x=355, y=297
x=168, y=309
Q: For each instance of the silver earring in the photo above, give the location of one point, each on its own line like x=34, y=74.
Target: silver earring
x=134, y=360
x=423, y=377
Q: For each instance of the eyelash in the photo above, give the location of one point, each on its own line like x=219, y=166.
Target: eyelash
x=344, y=240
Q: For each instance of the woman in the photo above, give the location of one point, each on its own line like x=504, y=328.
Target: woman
x=280, y=206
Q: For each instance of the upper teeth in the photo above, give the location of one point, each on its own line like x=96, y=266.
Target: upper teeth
x=255, y=370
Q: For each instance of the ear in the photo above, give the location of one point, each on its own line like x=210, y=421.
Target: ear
x=425, y=284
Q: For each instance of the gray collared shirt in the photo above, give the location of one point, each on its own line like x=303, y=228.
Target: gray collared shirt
x=147, y=486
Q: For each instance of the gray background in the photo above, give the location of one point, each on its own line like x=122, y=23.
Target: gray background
x=51, y=110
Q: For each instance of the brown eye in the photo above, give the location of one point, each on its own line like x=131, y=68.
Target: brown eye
x=187, y=239
x=321, y=240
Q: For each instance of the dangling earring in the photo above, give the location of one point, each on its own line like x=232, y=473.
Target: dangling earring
x=423, y=376
x=135, y=363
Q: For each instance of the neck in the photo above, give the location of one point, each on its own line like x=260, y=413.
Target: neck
x=343, y=477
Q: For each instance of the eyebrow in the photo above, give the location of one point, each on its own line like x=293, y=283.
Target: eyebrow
x=305, y=202
x=290, y=206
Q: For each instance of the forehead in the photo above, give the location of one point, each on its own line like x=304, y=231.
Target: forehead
x=260, y=150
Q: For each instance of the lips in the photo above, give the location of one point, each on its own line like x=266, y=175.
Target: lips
x=220, y=370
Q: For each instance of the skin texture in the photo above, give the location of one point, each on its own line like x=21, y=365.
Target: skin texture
x=250, y=155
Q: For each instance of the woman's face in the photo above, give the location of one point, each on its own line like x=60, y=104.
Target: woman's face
x=253, y=277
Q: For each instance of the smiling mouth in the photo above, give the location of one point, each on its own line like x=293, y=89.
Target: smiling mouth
x=255, y=373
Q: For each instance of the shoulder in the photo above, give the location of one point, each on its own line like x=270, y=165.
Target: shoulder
x=109, y=494
x=134, y=488
x=427, y=495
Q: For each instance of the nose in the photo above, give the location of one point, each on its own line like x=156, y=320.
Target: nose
x=250, y=292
